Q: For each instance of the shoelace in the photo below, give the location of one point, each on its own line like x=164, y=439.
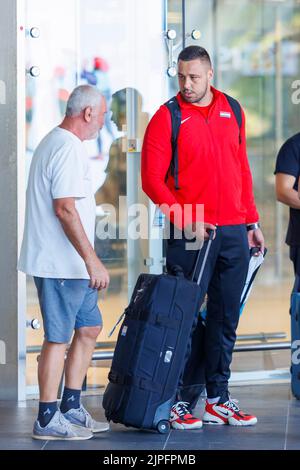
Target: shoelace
x=181, y=408
x=233, y=399
x=232, y=405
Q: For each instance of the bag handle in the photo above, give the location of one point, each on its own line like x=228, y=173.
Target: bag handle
x=211, y=237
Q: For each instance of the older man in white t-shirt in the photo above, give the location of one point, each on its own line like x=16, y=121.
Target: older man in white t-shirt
x=58, y=251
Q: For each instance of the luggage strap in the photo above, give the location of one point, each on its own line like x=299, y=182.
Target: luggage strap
x=139, y=382
x=158, y=320
x=162, y=320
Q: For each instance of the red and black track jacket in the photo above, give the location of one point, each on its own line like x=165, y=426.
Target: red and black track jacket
x=213, y=164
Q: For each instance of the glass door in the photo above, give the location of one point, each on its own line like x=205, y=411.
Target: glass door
x=51, y=64
x=254, y=46
x=119, y=47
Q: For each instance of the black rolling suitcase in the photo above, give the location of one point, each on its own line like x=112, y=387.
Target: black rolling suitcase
x=151, y=350
x=295, y=337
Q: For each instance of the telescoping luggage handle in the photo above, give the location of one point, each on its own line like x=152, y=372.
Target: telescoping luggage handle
x=211, y=237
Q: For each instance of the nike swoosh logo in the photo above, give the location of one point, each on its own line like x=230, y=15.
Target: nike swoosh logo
x=186, y=119
x=75, y=420
x=60, y=433
x=224, y=413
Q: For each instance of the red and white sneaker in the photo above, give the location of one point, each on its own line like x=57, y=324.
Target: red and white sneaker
x=227, y=413
x=181, y=417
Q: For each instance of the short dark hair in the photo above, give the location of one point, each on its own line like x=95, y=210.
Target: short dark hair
x=194, y=52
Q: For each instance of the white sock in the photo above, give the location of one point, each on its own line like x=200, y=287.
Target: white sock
x=212, y=401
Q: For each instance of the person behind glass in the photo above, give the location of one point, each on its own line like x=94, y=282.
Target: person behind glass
x=58, y=251
x=213, y=170
x=99, y=77
x=287, y=173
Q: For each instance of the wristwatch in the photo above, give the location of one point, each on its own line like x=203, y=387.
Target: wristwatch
x=253, y=226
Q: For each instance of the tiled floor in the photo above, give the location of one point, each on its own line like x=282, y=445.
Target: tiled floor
x=278, y=427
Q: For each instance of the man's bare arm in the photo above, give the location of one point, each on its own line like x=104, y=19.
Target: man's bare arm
x=285, y=191
x=65, y=211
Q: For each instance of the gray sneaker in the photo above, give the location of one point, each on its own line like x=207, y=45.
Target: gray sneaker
x=81, y=417
x=59, y=428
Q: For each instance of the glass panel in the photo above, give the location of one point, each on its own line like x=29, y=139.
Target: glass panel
x=119, y=47
x=54, y=52
x=255, y=49
x=174, y=22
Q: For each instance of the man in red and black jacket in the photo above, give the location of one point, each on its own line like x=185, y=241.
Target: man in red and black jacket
x=212, y=173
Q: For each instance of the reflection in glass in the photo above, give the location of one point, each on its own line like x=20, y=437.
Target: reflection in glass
x=97, y=42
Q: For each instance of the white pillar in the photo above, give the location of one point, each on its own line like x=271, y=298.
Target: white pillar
x=12, y=195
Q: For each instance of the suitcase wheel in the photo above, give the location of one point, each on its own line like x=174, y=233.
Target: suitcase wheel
x=163, y=427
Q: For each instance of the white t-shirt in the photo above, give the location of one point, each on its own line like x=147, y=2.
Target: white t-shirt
x=59, y=169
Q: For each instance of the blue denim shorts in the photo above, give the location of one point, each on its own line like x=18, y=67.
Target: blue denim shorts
x=66, y=305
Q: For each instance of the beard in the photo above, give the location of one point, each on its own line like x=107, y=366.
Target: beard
x=195, y=98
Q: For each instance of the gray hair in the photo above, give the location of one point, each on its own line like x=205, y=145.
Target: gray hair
x=82, y=97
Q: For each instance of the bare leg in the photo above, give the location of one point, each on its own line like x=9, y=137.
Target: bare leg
x=79, y=356
x=50, y=369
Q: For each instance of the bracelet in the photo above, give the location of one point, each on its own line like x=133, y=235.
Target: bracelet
x=253, y=226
